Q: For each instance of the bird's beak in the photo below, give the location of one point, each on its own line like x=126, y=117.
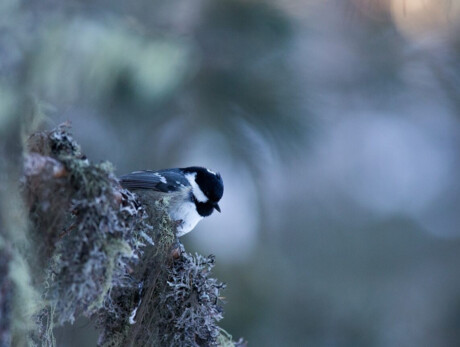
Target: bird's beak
x=217, y=207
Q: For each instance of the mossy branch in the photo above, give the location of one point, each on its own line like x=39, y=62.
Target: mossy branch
x=107, y=256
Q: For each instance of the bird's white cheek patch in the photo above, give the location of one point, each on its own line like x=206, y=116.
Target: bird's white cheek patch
x=199, y=195
x=187, y=213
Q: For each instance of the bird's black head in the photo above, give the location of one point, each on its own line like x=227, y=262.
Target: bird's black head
x=210, y=184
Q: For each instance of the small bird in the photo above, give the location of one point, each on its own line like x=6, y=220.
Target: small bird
x=192, y=192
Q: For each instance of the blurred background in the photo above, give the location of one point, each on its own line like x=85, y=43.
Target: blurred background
x=335, y=126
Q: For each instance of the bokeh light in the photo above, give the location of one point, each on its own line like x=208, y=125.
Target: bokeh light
x=425, y=19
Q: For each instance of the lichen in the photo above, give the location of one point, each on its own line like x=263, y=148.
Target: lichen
x=111, y=256
x=119, y=327
x=226, y=340
x=191, y=303
x=92, y=226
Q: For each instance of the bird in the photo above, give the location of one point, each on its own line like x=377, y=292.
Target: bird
x=192, y=193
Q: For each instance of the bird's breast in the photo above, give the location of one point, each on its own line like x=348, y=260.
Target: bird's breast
x=187, y=214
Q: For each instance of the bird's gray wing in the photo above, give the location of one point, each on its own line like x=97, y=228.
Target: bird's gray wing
x=165, y=181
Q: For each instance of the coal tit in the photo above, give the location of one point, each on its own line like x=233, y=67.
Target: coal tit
x=192, y=192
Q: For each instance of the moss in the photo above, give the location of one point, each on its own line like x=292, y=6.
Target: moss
x=114, y=251
x=165, y=229
x=147, y=276
x=93, y=238
x=113, y=257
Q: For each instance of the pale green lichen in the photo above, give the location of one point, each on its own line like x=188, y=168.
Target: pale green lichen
x=19, y=299
x=224, y=339
x=26, y=300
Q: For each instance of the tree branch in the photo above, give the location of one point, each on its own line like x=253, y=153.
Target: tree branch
x=106, y=256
